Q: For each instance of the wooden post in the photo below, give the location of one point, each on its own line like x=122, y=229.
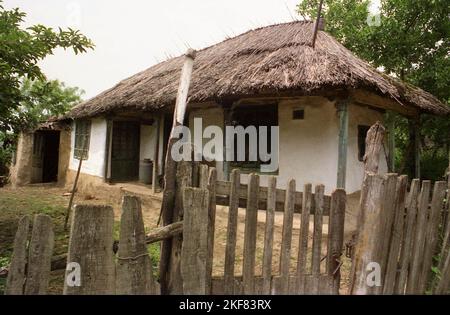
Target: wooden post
x=91, y=247
x=108, y=147
x=134, y=266
x=374, y=145
x=168, y=201
x=40, y=255
x=391, y=143
x=212, y=179
x=195, y=241
x=342, y=108
x=16, y=275
x=155, y=182
x=368, y=247
x=268, y=235
x=417, y=148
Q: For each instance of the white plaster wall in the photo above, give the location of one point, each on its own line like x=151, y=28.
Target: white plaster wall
x=212, y=116
x=308, y=150
x=95, y=164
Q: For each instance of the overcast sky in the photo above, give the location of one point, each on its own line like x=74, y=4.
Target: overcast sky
x=132, y=35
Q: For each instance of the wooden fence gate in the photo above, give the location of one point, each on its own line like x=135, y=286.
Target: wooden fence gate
x=198, y=237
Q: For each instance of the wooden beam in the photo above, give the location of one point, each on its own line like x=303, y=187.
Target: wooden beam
x=155, y=183
x=108, y=148
x=391, y=142
x=372, y=99
x=226, y=122
x=342, y=107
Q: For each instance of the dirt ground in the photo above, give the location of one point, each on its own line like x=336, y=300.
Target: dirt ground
x=53, y=200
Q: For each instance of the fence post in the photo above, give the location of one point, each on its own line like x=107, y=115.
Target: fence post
x=91, y=248
x=336, y=236
x=134, y=267
x=194, y=250
x=16, y=276
x=368, y=247
x=40, y=255
x=212, y=179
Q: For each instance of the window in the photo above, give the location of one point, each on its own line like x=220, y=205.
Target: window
x=298, y=114
x=362, y=134
x=254, y=115
x=82, y=136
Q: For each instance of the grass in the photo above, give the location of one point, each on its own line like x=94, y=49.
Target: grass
x=15, y=203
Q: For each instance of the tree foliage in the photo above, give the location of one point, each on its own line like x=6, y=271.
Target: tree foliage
x=20, y=52
x=410, y=42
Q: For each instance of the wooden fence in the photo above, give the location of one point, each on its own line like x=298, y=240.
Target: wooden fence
x=199, y=211
x=399, y=231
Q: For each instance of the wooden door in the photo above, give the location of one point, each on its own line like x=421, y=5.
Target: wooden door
x=125, y=151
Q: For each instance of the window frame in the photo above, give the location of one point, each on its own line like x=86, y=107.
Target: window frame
x=82, y=139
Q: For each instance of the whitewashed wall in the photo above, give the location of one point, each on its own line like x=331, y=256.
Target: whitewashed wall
x=95, y=164
x=212, y=116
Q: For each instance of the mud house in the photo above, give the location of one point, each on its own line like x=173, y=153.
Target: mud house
x=323, y=99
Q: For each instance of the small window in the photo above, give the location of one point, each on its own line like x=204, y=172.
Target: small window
x=82, y=137
x=362, y=134
x=298, y=114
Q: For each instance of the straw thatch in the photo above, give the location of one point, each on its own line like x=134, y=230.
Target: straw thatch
x=265, y=61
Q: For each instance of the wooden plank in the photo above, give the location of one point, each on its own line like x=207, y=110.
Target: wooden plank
x=443, y=285
x=317, y=232
x=195, y=240
x=388, y=217
x=419, y=240
x=134, y=266
x=368, y=246
x=396, y=236
x=303, y=237
x=248, y=268
x=223, y=190
x=374, y=145
x=336, y=236
x=407, y=242
x=40, y=255
x=391, y=142
x=342, y=107
x=91, y=247
x=16, y=276
x=230, y=249
x=285, y=253
x=211, y=226
x=183, y=180
x=203, y=176
x=268, y=235
x=446, y=222
x=155, y=175
x=431, y=234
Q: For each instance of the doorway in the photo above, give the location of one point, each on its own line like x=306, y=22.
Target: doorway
x=45, y=161
x=125, y=151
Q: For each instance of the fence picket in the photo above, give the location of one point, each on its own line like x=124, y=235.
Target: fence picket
x=285, y=254
x=230, y=250
x=303, y=238
x=248, y=269
x=397, y=236
x=134, y=266
x=40, y=255
x=211, y=186
x=431, y=234
x=405, y=253
x=268, y=235
x=419, y=239
x=91, y=246
x=195, y=240
x=16, y=276
x=317, y=234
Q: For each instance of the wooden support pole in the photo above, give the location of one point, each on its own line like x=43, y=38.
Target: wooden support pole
x=417, y=148
x=226, y=122
x=155, y=182
x=342, y=107
x=108, y=147
x=168, y=201
x=391, y=143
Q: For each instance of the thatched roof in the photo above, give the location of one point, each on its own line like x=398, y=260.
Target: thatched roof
x=265, y=61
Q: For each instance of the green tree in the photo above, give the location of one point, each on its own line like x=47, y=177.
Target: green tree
x=411, y=42
x=20, y=52
x=40, y=100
